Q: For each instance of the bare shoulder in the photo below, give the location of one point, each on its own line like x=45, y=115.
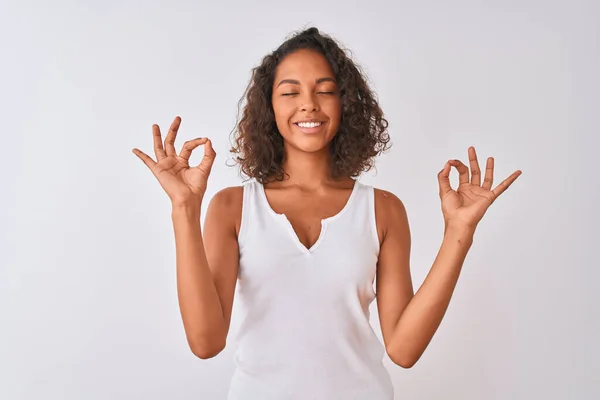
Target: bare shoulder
x=229, y=195
x=226, y=206
x=388, y=209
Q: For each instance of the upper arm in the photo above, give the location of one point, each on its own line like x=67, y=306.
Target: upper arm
x=221, y=226
x=394, y=283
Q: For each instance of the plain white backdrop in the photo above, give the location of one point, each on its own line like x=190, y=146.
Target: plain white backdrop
x=87, y=263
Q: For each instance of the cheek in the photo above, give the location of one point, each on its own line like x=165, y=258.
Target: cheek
x=281, y=111
x=282, y=117
x=334, y=109
x=333, y=104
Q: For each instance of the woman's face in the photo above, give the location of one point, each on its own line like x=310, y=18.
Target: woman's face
x=306, y=101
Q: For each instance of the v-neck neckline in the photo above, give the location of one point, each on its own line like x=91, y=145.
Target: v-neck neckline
x=324, y=222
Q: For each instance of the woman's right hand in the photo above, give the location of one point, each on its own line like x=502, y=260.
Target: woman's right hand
x=183, y=184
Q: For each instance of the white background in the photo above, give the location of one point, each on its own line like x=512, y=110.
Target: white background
x=87, y=279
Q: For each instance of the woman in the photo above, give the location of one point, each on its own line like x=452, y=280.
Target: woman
x=304, y=240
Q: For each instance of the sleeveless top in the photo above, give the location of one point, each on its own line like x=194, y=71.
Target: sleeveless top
x=305, y=332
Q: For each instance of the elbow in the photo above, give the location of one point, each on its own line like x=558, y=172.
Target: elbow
x=401, y=359
x=406, y=364
x=207, y=350
x=206, y=353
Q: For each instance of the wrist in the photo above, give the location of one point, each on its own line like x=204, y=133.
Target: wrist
x=189, y=209
x=459, y=230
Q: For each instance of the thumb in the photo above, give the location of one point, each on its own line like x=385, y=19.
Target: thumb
x=208, y=158
x=444, y=180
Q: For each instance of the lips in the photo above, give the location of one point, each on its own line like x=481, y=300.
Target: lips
x=310, y=126
x=308, y=123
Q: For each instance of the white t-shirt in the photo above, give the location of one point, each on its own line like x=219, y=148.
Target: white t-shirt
x=306, y=332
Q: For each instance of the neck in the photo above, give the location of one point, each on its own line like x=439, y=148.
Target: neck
x=308, y=169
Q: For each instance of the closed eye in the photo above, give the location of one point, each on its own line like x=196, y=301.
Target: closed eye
x=291, y=94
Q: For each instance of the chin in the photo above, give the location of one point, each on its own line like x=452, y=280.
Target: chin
x=308, y=145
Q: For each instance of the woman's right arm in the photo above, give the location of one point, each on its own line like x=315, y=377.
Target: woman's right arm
x=207, y=267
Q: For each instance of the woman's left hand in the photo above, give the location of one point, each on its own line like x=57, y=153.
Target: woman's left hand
x=467, y=205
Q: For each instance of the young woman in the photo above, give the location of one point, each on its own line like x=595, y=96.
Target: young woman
x=305, y=241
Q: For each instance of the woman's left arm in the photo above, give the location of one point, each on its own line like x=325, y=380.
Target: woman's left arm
x=408, y=322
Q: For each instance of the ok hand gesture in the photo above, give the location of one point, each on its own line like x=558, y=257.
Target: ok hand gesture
x=183, y=184
x=468, y=203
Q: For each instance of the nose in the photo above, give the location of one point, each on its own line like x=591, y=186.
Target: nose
x=309, y=103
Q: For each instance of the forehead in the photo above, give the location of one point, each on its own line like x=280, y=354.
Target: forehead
x=307, y=64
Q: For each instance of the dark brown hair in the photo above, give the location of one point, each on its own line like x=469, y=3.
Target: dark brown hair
x=362, y=133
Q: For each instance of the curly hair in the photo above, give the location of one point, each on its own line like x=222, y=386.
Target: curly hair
x=362, y=133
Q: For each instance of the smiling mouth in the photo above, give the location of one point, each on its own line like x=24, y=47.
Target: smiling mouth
x=310, y=128
x=309, y=125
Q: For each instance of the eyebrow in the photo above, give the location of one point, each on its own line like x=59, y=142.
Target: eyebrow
x=296, y=82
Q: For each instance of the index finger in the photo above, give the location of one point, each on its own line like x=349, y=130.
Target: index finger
x=463, y=171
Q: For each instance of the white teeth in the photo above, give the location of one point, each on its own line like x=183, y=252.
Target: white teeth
x=309, y=124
